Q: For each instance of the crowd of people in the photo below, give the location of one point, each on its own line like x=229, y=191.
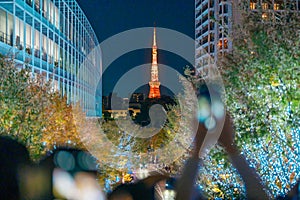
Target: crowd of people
x=15, y=161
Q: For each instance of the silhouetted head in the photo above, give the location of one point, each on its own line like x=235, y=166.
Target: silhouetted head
x=13, y=156
x=143, y=189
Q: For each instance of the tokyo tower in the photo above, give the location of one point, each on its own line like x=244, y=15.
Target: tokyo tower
x=154, y=82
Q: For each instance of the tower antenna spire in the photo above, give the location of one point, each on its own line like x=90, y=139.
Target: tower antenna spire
x=154, y=35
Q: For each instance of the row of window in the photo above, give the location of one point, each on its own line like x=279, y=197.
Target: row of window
x=54, y=51
x=50, y=48
x=266, y=6
x=209, y=47
x=47, y=9
x=66, y=24
x=6, y=27
x=223, y=8
x=51, y=52
x=275, y=5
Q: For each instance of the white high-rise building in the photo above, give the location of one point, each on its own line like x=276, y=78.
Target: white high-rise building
x=213, y=20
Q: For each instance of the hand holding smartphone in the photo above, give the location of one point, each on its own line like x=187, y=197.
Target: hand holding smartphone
x=210, y=105
x=211, y=116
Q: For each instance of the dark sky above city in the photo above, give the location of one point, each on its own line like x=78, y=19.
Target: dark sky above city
x=110, y=17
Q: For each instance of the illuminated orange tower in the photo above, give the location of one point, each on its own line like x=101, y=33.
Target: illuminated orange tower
x=154, y=83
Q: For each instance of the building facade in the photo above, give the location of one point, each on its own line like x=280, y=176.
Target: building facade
x=55, y=39
x=214, y=21
x=212, y=26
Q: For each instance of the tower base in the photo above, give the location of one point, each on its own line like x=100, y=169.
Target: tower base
x=154, y=92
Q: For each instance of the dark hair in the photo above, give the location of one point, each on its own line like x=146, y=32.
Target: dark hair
x=12, y=155
x=143, y=189
x=137, y=191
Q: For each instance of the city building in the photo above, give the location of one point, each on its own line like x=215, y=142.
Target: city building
x=55, y=39
x=117, y=107
x=212, y=26
x=105, y=103
x=116, y=114
x=137, y=98
x=214, y=21
x=154, y=82
x=123, y=113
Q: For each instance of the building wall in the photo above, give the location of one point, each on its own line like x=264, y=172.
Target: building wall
x=55, y=39
x=213, y=24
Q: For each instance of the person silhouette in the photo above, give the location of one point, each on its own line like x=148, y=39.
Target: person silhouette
x=13, y=156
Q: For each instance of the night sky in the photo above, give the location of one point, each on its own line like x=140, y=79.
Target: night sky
x=110, y=17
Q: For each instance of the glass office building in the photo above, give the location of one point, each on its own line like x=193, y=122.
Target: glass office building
x=55, y=39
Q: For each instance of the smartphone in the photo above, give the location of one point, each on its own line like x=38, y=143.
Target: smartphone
x=210, y=105
x=74, y=175
x=64, y=174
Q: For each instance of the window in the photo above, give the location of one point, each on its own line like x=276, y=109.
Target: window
x=56, y=13
x=19, y=30
x=226, y=19
x=212, y=48
x=225, y=8
x=211, y=26
x=37, y=5
x=29, y=2
x=265, y=6
x=50, y=50
x=252, y=5
x=28, y=38
x=37, y=44
x=44, y=48
x=61, y=55
x=10, y=27
x=56, y=54
x=276, y=6
x=45, y=9
x=211, y=37
x=2, y=25
x=71, y=30
x=223, y=44
x=51, y=12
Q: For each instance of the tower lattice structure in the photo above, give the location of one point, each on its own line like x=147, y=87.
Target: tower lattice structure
x=154, y=82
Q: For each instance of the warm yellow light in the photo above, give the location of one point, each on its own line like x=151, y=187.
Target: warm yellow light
x=264, y=16
x=265, y=6
x=252, y=5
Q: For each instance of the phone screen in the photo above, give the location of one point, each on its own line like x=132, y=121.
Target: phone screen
x=74, y=176
x=210, y=105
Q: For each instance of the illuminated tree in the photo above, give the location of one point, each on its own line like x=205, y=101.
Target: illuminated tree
x=262, y=81
x=31, y=112
x=60, y=129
